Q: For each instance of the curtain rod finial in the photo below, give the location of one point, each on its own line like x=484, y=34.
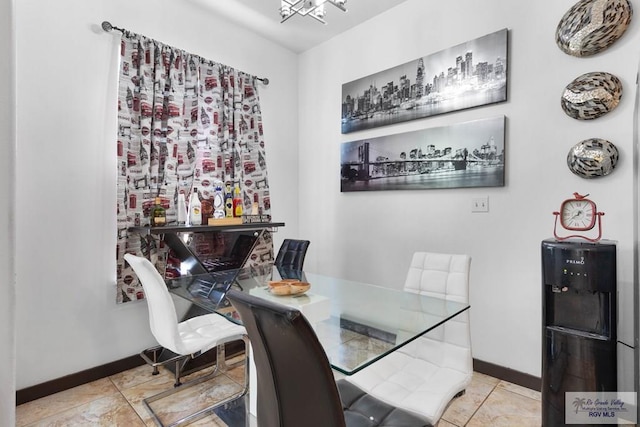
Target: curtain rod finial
x=106, y=25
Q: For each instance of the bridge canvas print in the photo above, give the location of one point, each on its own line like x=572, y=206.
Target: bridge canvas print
x=469, y=154
x=468, y=75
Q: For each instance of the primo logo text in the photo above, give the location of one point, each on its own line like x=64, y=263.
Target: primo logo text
x=575, y=261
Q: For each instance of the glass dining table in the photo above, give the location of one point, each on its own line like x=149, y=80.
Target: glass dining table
x=356, y=323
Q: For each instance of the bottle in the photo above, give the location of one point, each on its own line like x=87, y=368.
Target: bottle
x=237, y=203
x=228, y=201
x=182, y=209
x=218, y=202
x=206, y=209
x=195, y=208
x=158, y=214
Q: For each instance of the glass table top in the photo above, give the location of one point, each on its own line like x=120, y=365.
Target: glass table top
x=357, y=323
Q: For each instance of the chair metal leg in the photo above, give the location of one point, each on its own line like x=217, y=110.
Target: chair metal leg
x=220, y=367
x=247, y=344
x=153, y=361
x=177, y=374
x=221, y=358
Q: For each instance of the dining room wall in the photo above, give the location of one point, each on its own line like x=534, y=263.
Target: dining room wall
x=67, y=319
x=371, y=236
x=66, y=316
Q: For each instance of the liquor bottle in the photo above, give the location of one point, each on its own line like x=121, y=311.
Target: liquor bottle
x=158, y=214
x=206, y=209
x=237, y=203
x=218, y=202
x=195, y=208
x=182, y=209
x=228, y=201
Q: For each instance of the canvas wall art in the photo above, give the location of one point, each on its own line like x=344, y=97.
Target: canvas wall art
x=469, y=154
x=468, y=75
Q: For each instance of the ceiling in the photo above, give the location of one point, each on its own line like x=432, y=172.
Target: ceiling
x=298, y=33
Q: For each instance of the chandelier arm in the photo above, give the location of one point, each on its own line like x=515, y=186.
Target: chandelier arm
x=300, y=7
x=317, y=18
x=300, y=10
x=338, y=5
x=287, y=17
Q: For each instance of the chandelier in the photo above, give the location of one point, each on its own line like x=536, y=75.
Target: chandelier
x=312, y=8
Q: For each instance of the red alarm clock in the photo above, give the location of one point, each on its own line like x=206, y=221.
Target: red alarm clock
x=578, y=214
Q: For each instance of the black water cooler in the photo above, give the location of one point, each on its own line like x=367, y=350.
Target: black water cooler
x=579, y=323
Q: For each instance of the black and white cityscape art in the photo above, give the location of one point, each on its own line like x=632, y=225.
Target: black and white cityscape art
x=467, y=75
x=469, y=154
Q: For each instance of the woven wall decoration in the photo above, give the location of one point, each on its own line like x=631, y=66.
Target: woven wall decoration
x=591, y=95
x=592, y=158
x=591, y=26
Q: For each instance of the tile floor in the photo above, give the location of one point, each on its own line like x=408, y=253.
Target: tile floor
x=117, y=401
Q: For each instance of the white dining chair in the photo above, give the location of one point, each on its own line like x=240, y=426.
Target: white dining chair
x=187, y=339
x=426, y=374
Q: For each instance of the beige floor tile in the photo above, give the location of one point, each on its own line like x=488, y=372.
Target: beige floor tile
x=183, y=402
x=135, y=376
x=237, y=373
x=136, y=394
x=462, y=408
x=235, y=359
x=35, y=410
x=197, y=374
x=195, y=398
x=487, y=401
x=485, y=378
x=356, y=351
x=506, y=409
x=210, y=421
x=514, y=388
x=109, y=411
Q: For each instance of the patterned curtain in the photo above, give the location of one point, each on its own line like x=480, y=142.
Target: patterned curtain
x=183, y=123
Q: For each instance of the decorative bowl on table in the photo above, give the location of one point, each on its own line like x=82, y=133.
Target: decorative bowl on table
x=288, y=287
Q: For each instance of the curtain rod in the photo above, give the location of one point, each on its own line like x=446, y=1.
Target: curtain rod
x=107, y=27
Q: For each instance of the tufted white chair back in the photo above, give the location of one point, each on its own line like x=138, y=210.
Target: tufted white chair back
x=444, y=276
x=423, y=376
x=440, y=275
x=162, y=312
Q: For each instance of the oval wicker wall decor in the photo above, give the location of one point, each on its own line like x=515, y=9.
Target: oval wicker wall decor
x=591, y=95
x=591, y=26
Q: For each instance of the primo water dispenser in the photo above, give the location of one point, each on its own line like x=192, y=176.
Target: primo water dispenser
x=579, y=322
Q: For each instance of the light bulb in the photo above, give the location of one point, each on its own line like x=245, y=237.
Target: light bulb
x=285, y=9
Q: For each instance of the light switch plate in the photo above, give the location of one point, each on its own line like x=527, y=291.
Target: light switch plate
x=480, y=204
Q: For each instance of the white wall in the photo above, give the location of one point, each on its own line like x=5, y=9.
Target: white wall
x=371, y=236
x=66, y=316
x=7, y=229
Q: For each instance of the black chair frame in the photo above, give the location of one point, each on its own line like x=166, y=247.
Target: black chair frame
x=295, y=382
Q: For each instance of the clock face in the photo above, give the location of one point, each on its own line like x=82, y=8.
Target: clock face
x=578, y=214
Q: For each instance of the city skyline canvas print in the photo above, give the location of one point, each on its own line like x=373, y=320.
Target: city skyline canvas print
x=469, y=154
x=468, y=75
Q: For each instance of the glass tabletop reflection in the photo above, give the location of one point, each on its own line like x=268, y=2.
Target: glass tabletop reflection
x=357, y=323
